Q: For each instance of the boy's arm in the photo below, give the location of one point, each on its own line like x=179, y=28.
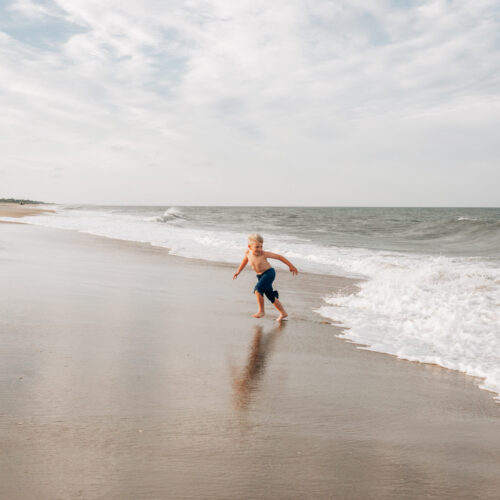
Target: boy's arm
x=270, y=255
x=244, y=262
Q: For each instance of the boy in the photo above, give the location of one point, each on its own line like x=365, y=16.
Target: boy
x=265, y=274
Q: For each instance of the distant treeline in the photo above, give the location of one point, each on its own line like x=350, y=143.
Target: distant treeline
x=21, y=202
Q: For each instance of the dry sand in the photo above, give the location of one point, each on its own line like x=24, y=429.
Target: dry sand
x=126, y=373
x=17, y=210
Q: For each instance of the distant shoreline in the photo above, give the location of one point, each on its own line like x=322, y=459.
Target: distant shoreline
x=22, y=202
x=17, y=210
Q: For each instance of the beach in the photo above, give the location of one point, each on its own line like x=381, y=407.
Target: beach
x=127, y=372
x=17, y=210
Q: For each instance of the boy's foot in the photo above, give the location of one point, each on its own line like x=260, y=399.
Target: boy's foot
x=259, y=314
x=282, y=317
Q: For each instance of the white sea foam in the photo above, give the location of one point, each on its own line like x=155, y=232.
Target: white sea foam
x=433, y=309
x=430, y=309
x=185, y=240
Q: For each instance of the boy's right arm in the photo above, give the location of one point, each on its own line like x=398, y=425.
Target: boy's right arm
x=244, y=262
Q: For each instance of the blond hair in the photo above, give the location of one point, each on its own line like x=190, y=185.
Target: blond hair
x=255, y=238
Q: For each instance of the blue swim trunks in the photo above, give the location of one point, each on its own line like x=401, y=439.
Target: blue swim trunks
x=265, y=284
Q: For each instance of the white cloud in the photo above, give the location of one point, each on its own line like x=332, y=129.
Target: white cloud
x=318, y=94
x=32, y=9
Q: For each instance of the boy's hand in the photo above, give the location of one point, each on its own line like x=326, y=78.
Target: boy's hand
x=293, y=270
x=235, y=275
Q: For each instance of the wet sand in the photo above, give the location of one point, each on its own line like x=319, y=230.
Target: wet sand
x=126, y=373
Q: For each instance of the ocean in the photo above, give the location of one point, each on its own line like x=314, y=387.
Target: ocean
x=430, y=277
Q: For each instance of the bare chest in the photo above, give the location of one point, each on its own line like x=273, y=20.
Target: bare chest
x=259, y=263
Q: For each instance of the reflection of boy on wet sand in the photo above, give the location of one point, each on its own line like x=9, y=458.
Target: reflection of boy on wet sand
x=257, y=258
x=246, y=382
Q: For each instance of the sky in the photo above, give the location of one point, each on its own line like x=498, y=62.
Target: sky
x=251, y=102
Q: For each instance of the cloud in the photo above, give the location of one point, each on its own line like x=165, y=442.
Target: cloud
x=31, y=9
x=318, y=93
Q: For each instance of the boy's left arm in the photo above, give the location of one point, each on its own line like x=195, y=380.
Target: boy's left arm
x=277, y=256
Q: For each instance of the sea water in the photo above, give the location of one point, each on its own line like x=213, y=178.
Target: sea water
x=430, y=288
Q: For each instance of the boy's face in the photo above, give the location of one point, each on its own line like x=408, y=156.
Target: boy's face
x=255, y=247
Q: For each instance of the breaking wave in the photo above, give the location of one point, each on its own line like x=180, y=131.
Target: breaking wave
x=171, y=215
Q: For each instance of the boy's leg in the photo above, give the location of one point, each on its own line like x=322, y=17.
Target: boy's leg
x=281, y=309
x=260, y=303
